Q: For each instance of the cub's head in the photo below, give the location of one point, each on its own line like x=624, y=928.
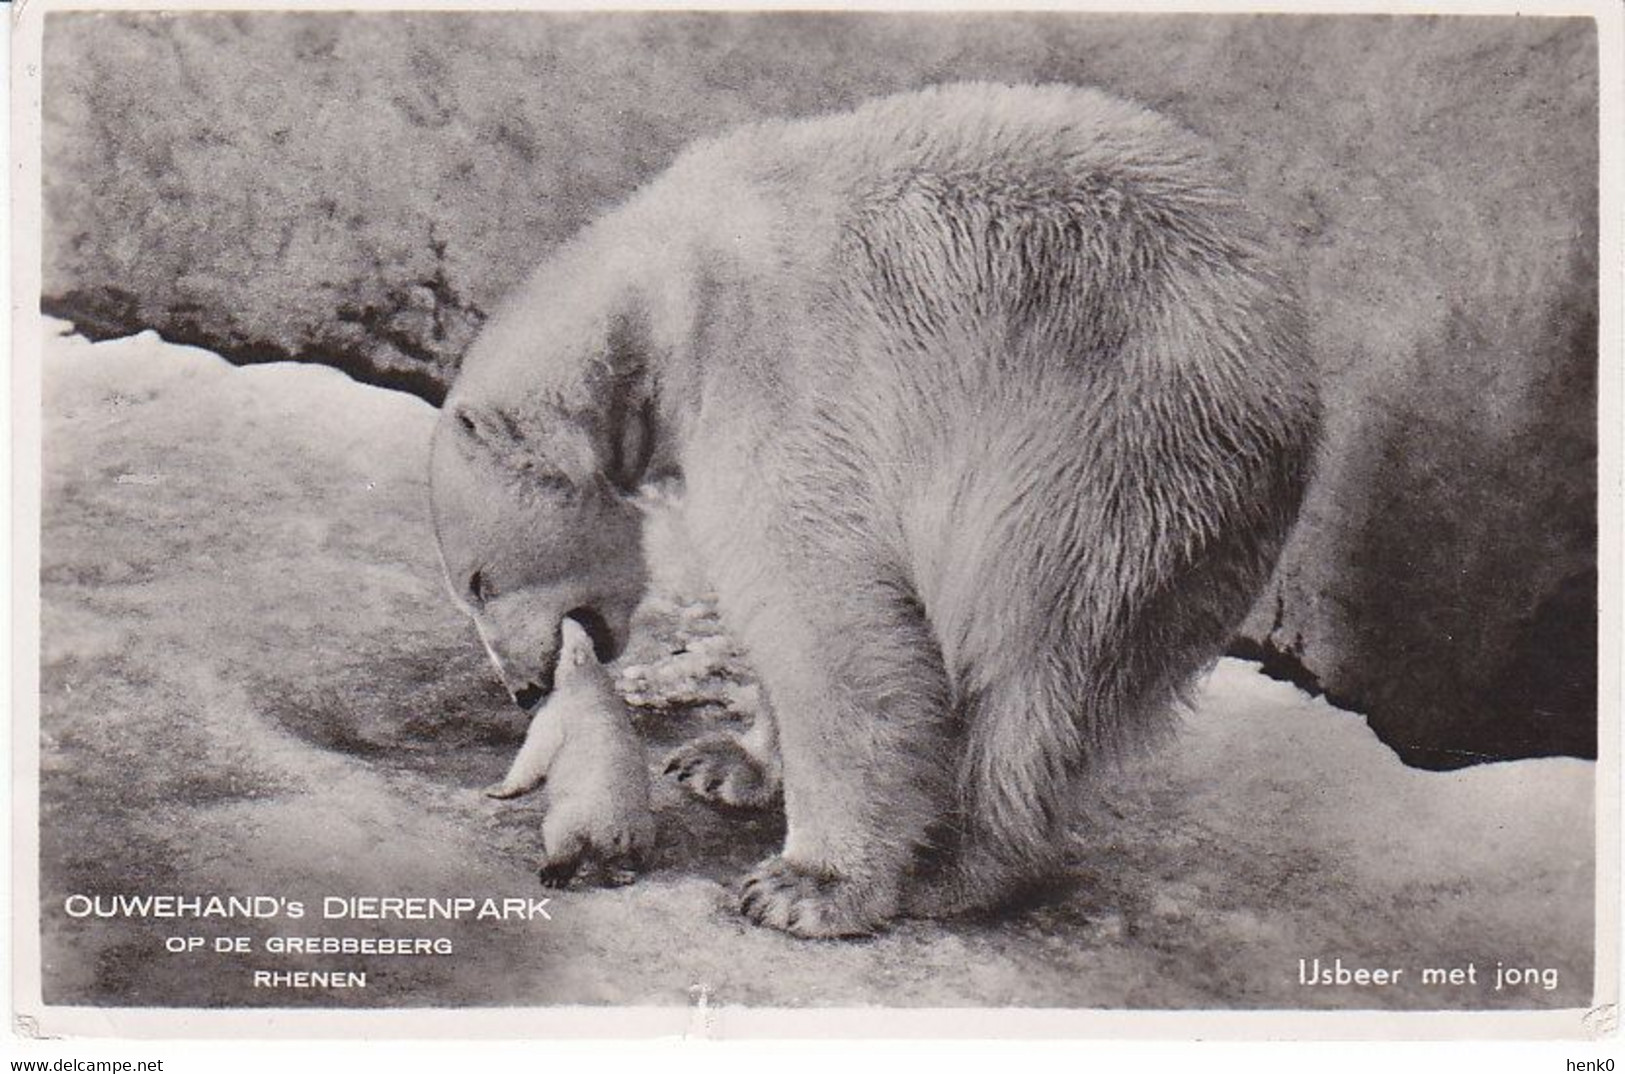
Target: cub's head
x=535, y=515
x=577, y=651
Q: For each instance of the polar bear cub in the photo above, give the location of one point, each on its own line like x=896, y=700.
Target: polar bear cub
x=583, y=744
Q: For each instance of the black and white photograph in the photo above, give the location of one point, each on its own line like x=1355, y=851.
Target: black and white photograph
x=1060, y=513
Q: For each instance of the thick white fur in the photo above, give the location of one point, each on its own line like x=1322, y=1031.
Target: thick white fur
x=992, y=412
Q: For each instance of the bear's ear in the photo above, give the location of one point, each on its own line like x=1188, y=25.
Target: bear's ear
x=498, y=433
x=484, y=425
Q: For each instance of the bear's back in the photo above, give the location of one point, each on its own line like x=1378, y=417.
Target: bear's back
x=977, y=245
x=977, y=225
x=995, y=139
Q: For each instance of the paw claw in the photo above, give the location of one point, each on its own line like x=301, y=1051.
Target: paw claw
x=717, y=768
x=784, y=896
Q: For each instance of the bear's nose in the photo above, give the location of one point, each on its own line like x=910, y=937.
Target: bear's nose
x=529, y=697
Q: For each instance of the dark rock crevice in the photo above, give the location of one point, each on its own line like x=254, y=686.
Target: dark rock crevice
x=110, y=314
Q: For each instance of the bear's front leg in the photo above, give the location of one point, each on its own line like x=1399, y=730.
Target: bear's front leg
x=860, y=702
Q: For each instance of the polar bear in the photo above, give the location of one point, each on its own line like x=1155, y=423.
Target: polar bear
x=991, y=408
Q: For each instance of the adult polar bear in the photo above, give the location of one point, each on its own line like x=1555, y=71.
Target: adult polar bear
x=992, y=415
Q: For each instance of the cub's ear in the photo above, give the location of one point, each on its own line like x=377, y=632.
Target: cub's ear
x=497, y=433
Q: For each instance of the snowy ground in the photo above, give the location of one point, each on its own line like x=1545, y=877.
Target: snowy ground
x=253, y=684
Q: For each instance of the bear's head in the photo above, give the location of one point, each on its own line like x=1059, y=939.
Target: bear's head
x=536, y=515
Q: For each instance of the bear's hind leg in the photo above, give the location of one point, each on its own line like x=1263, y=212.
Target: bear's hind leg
x=1025, y=758
x=1059, y=700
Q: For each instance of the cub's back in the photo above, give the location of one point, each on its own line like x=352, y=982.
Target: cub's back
x=601, y=756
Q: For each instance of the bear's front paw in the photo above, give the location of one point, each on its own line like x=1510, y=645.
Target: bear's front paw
x=718, y=768
x=785, y=896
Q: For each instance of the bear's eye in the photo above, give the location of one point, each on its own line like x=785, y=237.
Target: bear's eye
x=479, y=591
